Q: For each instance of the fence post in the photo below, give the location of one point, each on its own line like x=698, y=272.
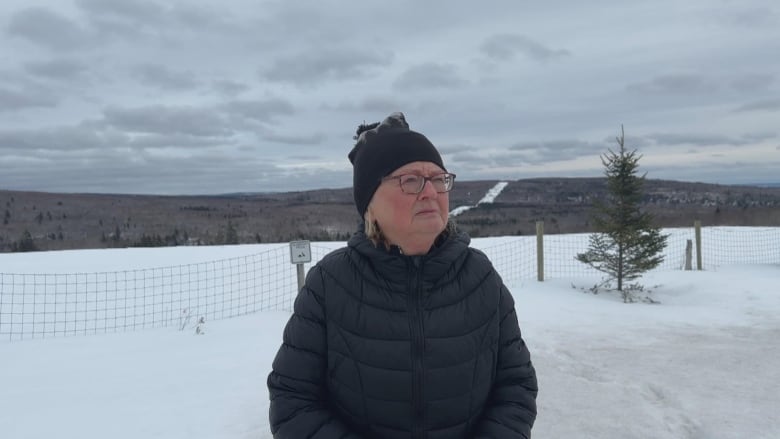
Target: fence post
x=300, y=253
x=688, y=255
x=697, y=226
x=301, y=276
x=540, y=251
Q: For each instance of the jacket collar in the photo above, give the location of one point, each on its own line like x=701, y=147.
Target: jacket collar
x=391, y=264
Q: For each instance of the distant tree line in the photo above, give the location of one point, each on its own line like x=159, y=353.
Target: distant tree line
x=25, y=243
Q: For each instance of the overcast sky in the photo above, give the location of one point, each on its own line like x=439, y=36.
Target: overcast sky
x=205, y=97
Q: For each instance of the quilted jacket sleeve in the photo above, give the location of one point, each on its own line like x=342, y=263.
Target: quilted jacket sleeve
x=511, y=409
x=296, y=383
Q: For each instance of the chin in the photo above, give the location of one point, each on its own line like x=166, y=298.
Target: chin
x=432, y=225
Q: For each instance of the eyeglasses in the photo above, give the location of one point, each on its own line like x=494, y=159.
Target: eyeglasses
x=414, y=184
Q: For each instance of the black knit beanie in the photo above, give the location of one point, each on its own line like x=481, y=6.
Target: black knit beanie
x=383, y=149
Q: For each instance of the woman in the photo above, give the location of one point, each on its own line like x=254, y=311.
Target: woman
x=406, y=332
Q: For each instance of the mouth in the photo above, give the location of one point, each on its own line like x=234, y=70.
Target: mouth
x=427, y=212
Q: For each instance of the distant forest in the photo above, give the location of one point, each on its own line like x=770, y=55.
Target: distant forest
x=54, y=221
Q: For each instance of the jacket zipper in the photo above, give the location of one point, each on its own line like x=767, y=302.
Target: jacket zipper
x=418, y=348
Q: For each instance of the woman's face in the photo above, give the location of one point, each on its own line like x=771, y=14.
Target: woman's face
x=410, y=221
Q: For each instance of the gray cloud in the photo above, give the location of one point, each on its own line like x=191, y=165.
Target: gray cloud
x=48, y=29
x=454, y=149
x=83, y=158
x=160, y=76
x=484, y=165
x=318, y=65
x=176, y=140
x=471, y=159
x=30, y=97
x=158, y=127
x=540, y=152
x=57, y=69
x=312, y=139
x=701, y=140
x=200, y=17
x=630, y=141
x=263, y=111
x=376, y=108
x=763, y=105
x=152, y=174
x=87, y=138
x=759, y=136
x=744, y=173
x=303, y=157
x=171, y=24
x=691, y=139
x=229, y=88
x=429, y=76
x=159, y=119
x=379, y=105
x=674, y=84
x=68, y=138
x=759, y=82
x=376, y=105
x=137, y=11
x=506, y=46
x=751, y=17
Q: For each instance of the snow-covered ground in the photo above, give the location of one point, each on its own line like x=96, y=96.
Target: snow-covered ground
x=702, y=364
x=489, y=197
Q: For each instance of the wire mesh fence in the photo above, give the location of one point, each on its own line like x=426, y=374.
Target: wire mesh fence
x=514, y=259
x=48, y=305
x=739, y=245
x=560, y=252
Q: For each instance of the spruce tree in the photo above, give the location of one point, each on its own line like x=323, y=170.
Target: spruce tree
x=626, y=244
x=25, y=243
x=231, y=234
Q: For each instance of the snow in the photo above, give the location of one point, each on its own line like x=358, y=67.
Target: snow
x=489, y=197
x=493, y=192
x=701, y=364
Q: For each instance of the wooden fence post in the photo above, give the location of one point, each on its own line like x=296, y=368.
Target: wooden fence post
x=540, y=251
x=697, y=226
x=300, y=253
x=688, y=255
x=301, y=276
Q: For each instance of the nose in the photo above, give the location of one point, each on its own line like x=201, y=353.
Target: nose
x=428, y=191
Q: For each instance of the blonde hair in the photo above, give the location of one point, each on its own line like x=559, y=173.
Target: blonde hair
x=373, y=231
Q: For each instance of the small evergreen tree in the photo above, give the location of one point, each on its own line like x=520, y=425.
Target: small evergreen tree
x=25, y=243
x=231, y=234
x=626, y=244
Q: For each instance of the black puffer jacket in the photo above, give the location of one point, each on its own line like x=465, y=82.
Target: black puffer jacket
x=383, y=345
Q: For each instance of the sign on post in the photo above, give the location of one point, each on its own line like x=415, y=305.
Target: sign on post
x=300, y=253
